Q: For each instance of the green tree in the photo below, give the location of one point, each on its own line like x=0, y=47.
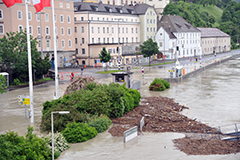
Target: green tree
x=13, y=50
x=2, y=81
x=212, y=19
x=104, y=55
x=42, y=66
x=149, y=48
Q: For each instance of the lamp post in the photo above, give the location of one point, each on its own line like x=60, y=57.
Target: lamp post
x=118, y=30
x=59, y=112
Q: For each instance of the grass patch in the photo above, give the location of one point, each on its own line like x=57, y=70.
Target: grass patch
x=110, y=71
x=157, y=64
x=24, y=83
x=135, y=68
x=215, y=11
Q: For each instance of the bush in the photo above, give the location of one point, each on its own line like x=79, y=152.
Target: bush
x=136, y=96
x=16, y=82
x=13, y=146
x=101, y=123
x=60, y=143
x=79, y=83
x=166, y=83
x=78, y=132
x=157, y=85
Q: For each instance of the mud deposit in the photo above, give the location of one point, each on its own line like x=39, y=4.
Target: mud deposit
x=162, y=114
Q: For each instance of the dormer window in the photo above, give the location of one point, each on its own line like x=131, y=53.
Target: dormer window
x=110, y=10
x=75, y=8
x=120, y=11
x=96, y=8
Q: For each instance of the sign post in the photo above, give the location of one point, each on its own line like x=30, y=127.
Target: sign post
x=24, y=100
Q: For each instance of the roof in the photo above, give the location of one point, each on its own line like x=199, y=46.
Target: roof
x=212, y=32
x=176, y=24
x=100, y=7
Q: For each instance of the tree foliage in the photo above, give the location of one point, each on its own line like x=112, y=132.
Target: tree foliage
x=104, y=55
x=14, y=53
x=148, y=48
x=2, y=81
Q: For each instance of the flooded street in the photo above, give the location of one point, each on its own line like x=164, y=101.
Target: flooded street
x=212, y=96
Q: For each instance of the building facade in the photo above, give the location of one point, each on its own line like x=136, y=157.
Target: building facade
x=214, y=41
x=148, y=21
x=101, y=25
x=188, y=42
x=14, y=19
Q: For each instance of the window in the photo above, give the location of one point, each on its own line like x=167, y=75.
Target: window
x=123, y=40
x=30, y=30
x=112, y=30
x=103, y=29
x=62, y=31
x=92, y=40
x=55, y=18
x=92, y=30
x=68, y=5
x=98, y=29
x=151, y=29
x=1, y=14
x=98, y=18
x=38, y=16
x=132, y=39
x=126, y=30
x=82, y=40
x=107, y=19
x=122, y=30
x=29, y=16
x=83, y=50
x=103, y=19
x=76, y=51
x=75, y=18
x=38, y=30
x=136, y=30
x=136, y=39
x=47, y=30
x=107, y=40
x=69, y=31
x=76, y=40
x=107, y=30
x=63, y=43
x=99, y=40
x=61, y=18
x=56, y=30
x=154, y=21
x=147, y=29
x=91, y=18
x=75, y=29
x=69, y=43
x=147, y=21
x=126, y=40
x=160, y=44
x=1, y=29
x=46, y=17
x=60, y=5
x=19, y=14
x=118, y=29
x=150, y=20
x=112, y=40
x=68, y=19
x=103, y=40
x=82, y=18
x=20, y=28
x=132, y=30
x=82, y=29
x=48, y=43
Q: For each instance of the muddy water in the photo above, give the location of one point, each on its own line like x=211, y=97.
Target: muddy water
x=13, y=115
x=212, y=96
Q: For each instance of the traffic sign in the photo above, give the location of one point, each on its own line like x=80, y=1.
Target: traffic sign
x=24, y=100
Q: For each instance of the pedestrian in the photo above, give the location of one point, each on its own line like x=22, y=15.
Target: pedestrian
x=82, y=70
x=72, y=76
x=196, y=59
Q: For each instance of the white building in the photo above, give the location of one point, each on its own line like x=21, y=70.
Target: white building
x=177, y=38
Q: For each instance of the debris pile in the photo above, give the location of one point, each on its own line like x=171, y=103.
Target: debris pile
x=161, y=115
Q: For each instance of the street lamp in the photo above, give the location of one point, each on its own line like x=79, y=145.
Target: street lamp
x=118, y=30
x=59, y=112
x=40, y=13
